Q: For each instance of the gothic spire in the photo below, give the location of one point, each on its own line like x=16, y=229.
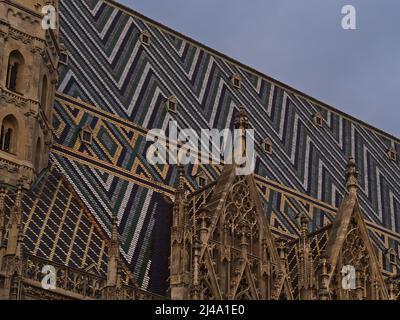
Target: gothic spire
x=18, y=203
x=306, y=270
x=181, y=180
x=240, y=142
x=115, y=236
x=304, y=224
x=324, y=278
x=114, y=254
x=15, y=238
x=180, y=198
x=241, y=121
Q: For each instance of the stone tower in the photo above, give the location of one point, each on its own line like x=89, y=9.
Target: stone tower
x=29, y=56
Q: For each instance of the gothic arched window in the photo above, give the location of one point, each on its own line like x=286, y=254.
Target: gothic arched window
x=9, y=133
x=15, y=72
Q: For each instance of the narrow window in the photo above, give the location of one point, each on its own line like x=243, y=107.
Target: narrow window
x=87, y=135
x=201, y=181
x=392, y=256
x=12, y=76
x=145, y=38
x=267, y=145
x=236, y=81
x=8, y=140
x=63, y=58
x=15, y=72
x=8, y=136
x=172, y=104
x=318, y=119
x=392, y=154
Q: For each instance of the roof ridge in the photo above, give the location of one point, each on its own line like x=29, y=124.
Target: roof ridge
x=250, y=69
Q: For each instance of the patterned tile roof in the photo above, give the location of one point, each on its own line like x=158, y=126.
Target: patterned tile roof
x=59, y=228
x=117, y=86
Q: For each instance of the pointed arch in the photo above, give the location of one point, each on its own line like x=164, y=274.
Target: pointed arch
x=240, y=255
x=349, y=245
x=15, y=72
x=9, y=134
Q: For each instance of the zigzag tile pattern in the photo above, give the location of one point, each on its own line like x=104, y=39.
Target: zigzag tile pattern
x=109, y=68
x=140, y=211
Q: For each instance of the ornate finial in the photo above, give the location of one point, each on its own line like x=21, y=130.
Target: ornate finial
x=113, y=255
x=241, y=125
x=352, y=176
x=324, y=277
x=203, y=220
x=181, y=178
x=180, y=191
x=15, y=228
x=282, y=248
x=181, y=170
x=18, y=199
x=324, y=263
x=304, y=223
x=180, y=200
x=114, y=247
x=393, y=288
x=20, y=242
x=196, y=272
x=114, y=220
x=241, y=121
x=16, y=213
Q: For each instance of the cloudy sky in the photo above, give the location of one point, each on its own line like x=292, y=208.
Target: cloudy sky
x=302, y=43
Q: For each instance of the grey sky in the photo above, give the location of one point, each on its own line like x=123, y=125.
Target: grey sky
x=301, y=43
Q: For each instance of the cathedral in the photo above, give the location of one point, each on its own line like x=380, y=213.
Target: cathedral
x=85, y=216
